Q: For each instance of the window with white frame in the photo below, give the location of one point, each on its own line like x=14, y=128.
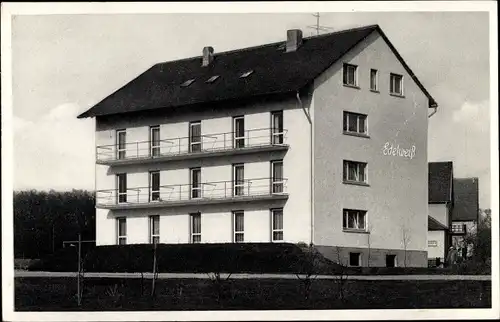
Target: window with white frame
x=354, y=219
x=239, y=132
x=355, y=171
x=277, y=181
x=154, y=133
x=195, y=228
x=121, y=182
x=355, y=123
x=121, y=229
x=277, y=127
x=121, y=146
x=350, y=75
x=195, y=183
x=195, y=136
x=238, y=179
x=373, y=79
x=154, y=229
x=354, y=259
x=239, y=226
x=396, y=84
x=277, y=224
x=154, y=186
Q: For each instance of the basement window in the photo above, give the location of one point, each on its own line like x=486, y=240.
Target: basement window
x=246, y=74
x=187, y=83
x=212, y=79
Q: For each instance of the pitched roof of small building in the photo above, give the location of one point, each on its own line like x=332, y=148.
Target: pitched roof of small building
x=440, y=182
x=433, y=224
x=273, y=71
x=466, y=199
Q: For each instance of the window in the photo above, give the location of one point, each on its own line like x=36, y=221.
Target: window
x=154, y=141
x=120, y=143
x=212, y=79
x=154, y=186
x=246, y=74
x=350, y=77
x=354, y=219
x=239, y=132
x=187, y=83
x=277, y=176
x=154, y=229
x=355, y=171
x=121, y=224
x=195, y=137
x=432, y=243
x=277, y=127
x=238, y=179
x=396, y=84
x=457, y=228
x=239, y=226
x=277, y=224
x=373, y=79
x=390, y=260
x=196, y=183
x=354, y=259
x=121, y=182
x=195, y=228
x=355, y=123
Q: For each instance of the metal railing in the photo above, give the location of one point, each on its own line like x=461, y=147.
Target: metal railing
x=194, y=144
x=219, y=190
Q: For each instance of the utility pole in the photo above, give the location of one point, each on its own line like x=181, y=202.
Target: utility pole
x=319, y=27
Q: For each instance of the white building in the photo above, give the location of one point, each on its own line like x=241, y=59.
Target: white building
x=320, y=139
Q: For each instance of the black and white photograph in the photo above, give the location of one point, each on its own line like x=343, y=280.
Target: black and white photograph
x=249, y=161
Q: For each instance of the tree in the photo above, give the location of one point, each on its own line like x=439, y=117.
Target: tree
x=405, y=240
x=308, y=267
x=481, y=238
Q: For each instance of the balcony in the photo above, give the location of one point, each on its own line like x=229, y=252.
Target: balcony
x=181, y=148
x=262, y=189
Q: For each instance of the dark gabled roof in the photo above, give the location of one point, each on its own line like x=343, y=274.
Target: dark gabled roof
x=466, y=199
x=433, y=224
x=440, y=182
x=274, y=72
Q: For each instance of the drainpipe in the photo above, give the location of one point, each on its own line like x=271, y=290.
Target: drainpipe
x=311, y=166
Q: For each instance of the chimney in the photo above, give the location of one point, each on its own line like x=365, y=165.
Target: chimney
x=293, y=39
x=208, y=56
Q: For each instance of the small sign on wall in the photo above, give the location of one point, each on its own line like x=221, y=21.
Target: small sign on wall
x=432, y=243
x=395, y=150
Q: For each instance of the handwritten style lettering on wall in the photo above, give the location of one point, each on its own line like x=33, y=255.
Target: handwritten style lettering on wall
x=390, y=149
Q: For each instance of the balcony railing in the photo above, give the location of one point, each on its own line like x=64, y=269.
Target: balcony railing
x=184, y=194
x=254, y=139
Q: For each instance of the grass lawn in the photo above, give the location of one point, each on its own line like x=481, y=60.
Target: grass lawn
x=108, y=294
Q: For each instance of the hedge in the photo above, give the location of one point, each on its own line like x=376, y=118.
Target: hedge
x=187, y=258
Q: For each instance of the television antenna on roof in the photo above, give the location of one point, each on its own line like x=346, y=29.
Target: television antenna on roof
x=319, y=27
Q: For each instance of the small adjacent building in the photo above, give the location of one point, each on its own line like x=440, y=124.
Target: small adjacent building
x=453, y=211
x=320, y=139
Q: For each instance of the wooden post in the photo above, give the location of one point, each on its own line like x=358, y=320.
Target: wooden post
x=79, y=267
x=154, y=269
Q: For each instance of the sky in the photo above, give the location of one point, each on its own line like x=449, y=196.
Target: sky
x=64, y=64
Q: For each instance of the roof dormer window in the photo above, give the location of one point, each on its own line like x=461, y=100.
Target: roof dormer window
x=212, y=79
x=246, y=74
x=187, y=83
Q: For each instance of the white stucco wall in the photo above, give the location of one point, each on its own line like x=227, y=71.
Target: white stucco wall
x=440, y=212
x=396, y=197
x=437, y=251
x=216, y=224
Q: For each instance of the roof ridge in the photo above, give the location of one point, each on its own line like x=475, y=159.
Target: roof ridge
x=270, y=44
